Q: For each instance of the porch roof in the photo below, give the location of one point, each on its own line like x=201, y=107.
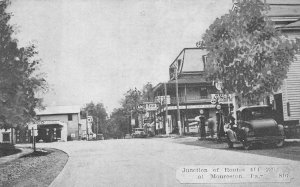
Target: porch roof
x=189, y=80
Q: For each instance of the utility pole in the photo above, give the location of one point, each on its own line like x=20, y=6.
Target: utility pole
x=97, y=128
x=33, y=139
x=177, y=101
x=87, y=127
x=166, y=104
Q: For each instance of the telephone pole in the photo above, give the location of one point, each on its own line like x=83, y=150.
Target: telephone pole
x=87, y=127
x=177, y=102
x=97, y=128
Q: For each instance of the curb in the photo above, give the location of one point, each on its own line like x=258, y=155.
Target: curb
x=24, y=151
x=53, y=183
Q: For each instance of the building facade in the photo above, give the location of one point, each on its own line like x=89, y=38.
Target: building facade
x=8, y=136
x=58, y=123
x=286, y=16
x=194, y=94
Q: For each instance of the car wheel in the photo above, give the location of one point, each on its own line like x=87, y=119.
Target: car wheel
x=280, y=143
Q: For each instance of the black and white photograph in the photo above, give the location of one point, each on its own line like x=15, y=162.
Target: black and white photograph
x=149, y=93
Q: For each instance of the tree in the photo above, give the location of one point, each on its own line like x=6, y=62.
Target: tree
x=119, y=117
x=19, y=81
x=247, y=53
x=133, y=98
x=97, y=111
x=148, y=95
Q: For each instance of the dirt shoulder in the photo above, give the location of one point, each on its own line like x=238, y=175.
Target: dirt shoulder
x=35, y=169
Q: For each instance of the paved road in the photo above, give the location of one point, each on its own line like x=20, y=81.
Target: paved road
x=147, y=162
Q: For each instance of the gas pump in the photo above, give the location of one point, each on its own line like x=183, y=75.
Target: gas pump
x=202, y=124
x=220, y=125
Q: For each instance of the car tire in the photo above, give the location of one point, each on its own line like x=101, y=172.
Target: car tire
x=280, y=143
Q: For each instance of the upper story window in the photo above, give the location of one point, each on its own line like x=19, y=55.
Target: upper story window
x=203, y=92
x=70, y=117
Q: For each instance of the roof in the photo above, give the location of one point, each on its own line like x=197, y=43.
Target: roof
x=157, y=86
x=51, y=110
x=193, y=60
x=189, y=60
x=189, y=80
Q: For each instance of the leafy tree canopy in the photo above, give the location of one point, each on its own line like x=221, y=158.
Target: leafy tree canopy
x=246, y=52
x=97, y=111
x=148, y=95
x=132, y=99
x=19, y=82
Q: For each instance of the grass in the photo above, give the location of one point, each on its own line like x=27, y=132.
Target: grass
x=7, y=149
x=36, y=169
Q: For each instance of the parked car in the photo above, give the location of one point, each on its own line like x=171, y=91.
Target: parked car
x=255, y=125
x=139, y=133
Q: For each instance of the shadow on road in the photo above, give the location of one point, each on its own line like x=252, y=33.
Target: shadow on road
x=290, y=150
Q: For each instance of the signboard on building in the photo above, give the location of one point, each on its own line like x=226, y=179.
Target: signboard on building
x=151, y=106
x=220, y=98
x=190, y=107
x=163, y=99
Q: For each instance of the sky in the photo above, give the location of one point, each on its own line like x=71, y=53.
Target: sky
x=96, y=50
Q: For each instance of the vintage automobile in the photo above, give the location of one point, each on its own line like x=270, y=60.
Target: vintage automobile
x=138, y=133
x=255, y=125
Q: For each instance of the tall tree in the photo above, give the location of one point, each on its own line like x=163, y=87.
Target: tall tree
x=120, y=118
x=148, y=95
x=133, y=98
x=97, y=111
x=19, y=82
x=246, y=52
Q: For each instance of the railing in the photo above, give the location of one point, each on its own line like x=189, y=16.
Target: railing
x=191, y=99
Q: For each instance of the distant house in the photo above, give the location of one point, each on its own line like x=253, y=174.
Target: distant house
x=58, y=123
x=194, y=93
x=7, y=136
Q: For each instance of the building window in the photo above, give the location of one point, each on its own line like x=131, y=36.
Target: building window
x=70, y=117
x=203, y=92
x=6, y=137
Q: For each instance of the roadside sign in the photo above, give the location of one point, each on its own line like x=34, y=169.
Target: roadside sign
x=90, y=119
x=213, y=101
x=151, y=106
x=219, y=85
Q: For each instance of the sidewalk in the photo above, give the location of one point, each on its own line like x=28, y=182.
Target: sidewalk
x=24, y=151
